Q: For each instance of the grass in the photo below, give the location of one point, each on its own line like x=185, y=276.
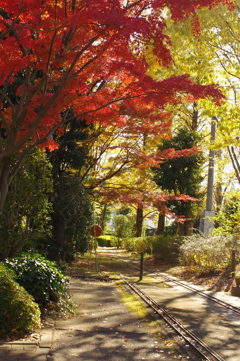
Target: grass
x=102, y=266
x=107, y=266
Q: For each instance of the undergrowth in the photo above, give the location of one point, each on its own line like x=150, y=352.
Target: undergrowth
x=43, y=280
x=19, y=314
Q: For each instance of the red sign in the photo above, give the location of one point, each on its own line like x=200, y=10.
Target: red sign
x=96, y=230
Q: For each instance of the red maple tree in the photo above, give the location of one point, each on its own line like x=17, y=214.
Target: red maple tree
x=58, y=57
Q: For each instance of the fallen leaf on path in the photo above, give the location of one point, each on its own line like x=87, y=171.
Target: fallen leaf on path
x=168, y=343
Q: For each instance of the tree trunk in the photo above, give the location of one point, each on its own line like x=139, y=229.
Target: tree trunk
x=58, y=243
x=139, y=222
x=219, y=182
x=195, y=117
x=161, y=223
x=234, y=161
x=186, y=228
x=104, y=211
x=4, y=183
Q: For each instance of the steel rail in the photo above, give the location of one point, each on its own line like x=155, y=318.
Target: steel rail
x=234, y=309
x=201, y=293
x=198, y=345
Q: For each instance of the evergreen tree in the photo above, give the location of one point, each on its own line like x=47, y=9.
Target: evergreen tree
x=25, y=221
x=182, y=176
x=72, y=216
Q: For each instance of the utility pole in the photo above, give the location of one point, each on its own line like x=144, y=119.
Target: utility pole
x=205, y=222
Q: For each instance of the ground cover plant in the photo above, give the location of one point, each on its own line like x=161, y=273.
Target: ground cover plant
x=203, y=254
x=19, y=314
x=43, y=279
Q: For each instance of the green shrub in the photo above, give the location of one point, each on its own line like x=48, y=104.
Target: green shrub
x=143, y=244
x=163, y=248
x=117, y=242
x=199, y=252
x=105, y=241
x=138, y=244
x=166, y=248
x=40, y=277
x=129, y=244
x=18, y=312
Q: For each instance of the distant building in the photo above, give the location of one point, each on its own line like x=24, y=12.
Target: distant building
x=150, y=232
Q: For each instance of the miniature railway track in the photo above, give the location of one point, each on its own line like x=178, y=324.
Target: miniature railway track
x=209, y=297
x=200, y=293
x=197, y=344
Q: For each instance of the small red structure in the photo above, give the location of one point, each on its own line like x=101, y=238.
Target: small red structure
x=96, y=230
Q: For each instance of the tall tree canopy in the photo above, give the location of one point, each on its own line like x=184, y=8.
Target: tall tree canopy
x=58, y=55
x=181, y=176
x=213, y=56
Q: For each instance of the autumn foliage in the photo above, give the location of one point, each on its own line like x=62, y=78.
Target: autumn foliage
x=87, y=57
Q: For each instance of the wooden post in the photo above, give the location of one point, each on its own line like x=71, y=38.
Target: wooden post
x=141, y=266
x=139, y=223
x=95, y=232
x=233, y=263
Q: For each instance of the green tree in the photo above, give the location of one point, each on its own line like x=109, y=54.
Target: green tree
x=227, y=219
x=210, y=57
x=181, y=176
x=71, y=218
x=122, y=227
x=72, y=215
x=25, y=221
